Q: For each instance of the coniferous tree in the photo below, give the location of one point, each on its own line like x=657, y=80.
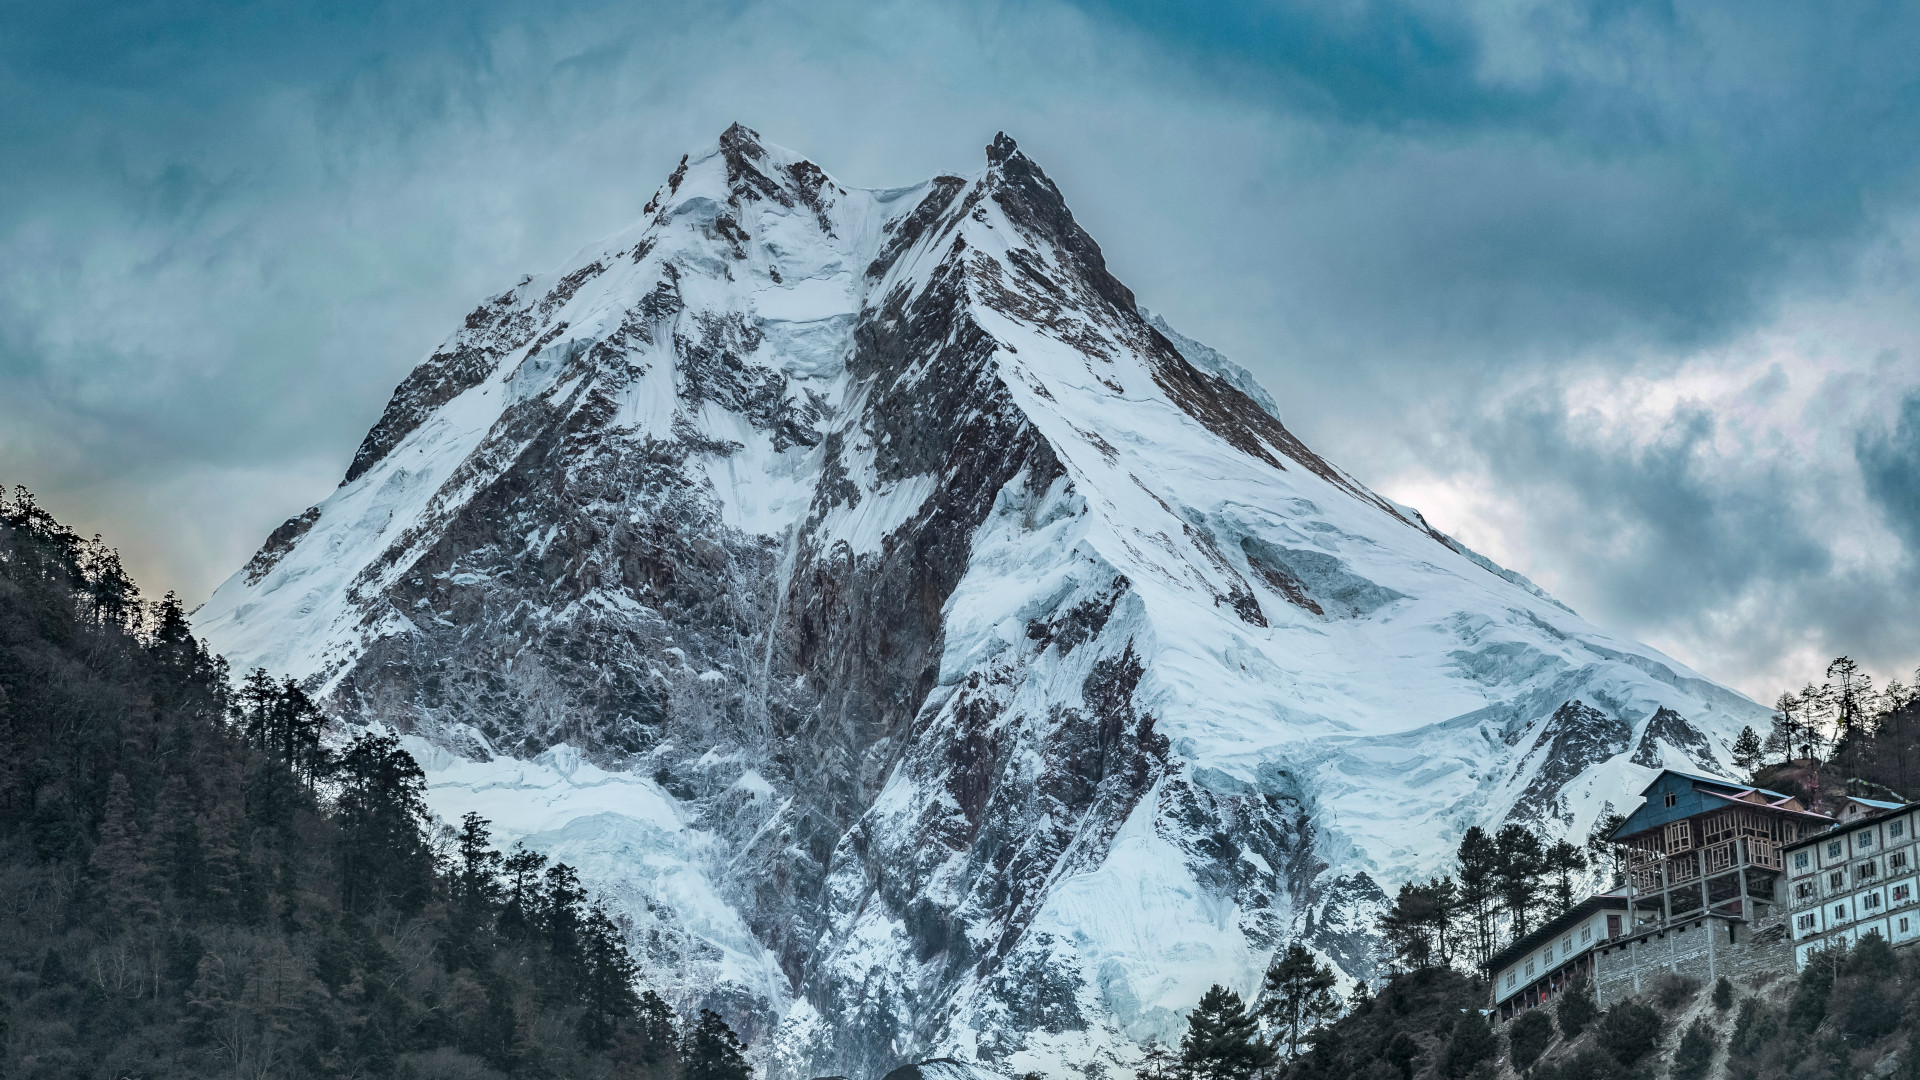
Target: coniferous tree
x=608, y=973
x=1695, y=1053
x=1522, y=859
x=1601, y=849
x=1157, y=1062
x=383, y=813
x=1297, y=994
x=1576, y=1008
x=1421, y=927
x=521, y=888
x=1748, y=752
x=1529, y=1036
x=1848, y=689
x=713, y=1052
x=1471, y=1043
x=1222, y=1041
x=118, y=863
x=1479, y=858
x=1561, y=861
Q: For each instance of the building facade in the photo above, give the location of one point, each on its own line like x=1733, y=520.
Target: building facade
x=1558, y=954
x=1859, y=878
x=1705, y=867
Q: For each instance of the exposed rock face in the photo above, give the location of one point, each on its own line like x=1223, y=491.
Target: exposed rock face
x=926, y=654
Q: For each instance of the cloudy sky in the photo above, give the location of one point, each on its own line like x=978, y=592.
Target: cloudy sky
x=1624, y=294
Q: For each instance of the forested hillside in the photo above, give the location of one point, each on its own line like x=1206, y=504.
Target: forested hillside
x=193, y=884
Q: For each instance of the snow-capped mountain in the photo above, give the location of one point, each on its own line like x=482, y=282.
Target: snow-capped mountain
x=932, y=651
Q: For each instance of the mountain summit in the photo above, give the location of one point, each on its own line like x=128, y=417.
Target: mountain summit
x=929, y=650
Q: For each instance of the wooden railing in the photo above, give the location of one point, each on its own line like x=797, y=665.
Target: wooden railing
x=1721, y=856
x=1764, y=852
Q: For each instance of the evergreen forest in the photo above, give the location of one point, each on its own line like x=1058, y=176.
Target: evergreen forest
x=194, y=882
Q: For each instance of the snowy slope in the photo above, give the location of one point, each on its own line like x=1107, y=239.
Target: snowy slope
x=937, y=653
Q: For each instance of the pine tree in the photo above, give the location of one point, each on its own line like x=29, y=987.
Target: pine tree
x=1421, y=926
x=713, y=1052
x=606, y=992
x=1479, y=889
x=1576, y=1008
x=1297, y=995
x=1472, y=1042
x=1223, y=1039
x=520, y=911
x=1157, y=1062
x=1600, y=846
x=118, y=862
x=1723, y=994
x=1562, y=860
x=1522, y=860
x=561, y=917
x=1850, y=689
x=1748, y=753
x=382, y=811
x=1695, y=1054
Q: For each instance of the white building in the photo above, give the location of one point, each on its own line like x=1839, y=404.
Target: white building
x=1858, y=878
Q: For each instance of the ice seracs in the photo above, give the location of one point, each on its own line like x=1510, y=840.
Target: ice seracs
x=965, y=663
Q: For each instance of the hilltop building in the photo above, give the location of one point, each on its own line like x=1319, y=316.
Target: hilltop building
x=1556, y=954
x=1857, y=879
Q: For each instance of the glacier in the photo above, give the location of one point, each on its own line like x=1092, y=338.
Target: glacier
x=932, y=652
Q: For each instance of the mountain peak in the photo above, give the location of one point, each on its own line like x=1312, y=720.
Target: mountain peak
x=859, y=588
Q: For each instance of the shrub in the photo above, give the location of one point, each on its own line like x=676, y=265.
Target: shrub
x=1576, y=1009
x=1588, y=1064
x=1629, y=1031
x=1723, y=994
x=1529, y=1037
x=1673, y=991
x=1864, y=1007
x=1753, y=1028
x=1872, y=957
x=1473, y=1042
x=1809, y=1003
x=1695, y=1054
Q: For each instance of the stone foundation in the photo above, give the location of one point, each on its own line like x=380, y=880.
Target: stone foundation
x=1703, y=949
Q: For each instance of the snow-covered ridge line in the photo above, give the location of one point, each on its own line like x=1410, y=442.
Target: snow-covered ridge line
x=934, y=652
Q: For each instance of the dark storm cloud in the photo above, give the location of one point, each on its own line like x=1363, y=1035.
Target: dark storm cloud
x=1890, y=464
x=1669, y=530
x=226, y=231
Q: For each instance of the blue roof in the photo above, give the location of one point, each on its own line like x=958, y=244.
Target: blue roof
x=1690, y=799
x=1881, y=803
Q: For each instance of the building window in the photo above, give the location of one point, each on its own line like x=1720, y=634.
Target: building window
x=1833, y=850
x=1897, y=861
x=1903, y=926
x=1863, y=839
x=1672, y=798
x=1566, y=945
x=1529, y=967
x=1803, y=891
x=1902, y=893
x=1509, y=978
x=1800, y=860
x=1837, y=879
x=1897, y=829
x=1586, y=934
x=1839, y=912
x=1872, y=900
x=1805, y=922
x=1864, y=871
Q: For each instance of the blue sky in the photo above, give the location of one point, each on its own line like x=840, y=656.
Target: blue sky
x=1623, y=294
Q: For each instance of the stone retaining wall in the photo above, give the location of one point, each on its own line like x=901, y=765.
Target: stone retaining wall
x=1704, y=949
